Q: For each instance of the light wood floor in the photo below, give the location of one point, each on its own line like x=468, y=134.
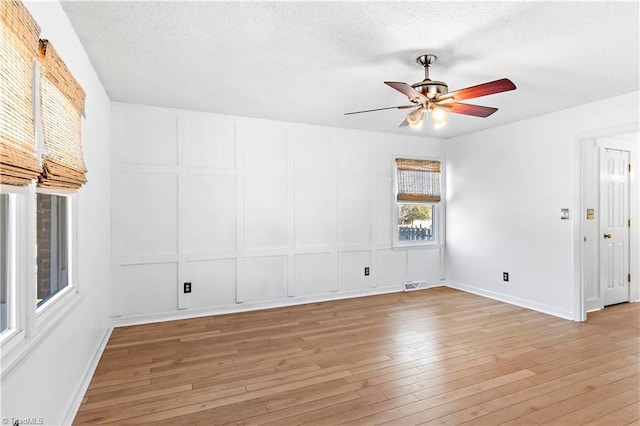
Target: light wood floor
x=435, y=356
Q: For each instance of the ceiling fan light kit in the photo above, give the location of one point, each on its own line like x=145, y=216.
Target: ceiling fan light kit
x=432, y=98
x=415, y=119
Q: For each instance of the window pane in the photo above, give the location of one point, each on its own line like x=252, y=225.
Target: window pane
x=416, y=222
x=5, y=260
x=52, y=246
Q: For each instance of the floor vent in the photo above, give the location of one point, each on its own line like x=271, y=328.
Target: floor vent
x=415, y=285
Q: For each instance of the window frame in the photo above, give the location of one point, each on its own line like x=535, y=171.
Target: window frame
x=47, y=308
x=438, y=208
x=15, y=319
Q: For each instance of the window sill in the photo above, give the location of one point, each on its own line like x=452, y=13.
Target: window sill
x=53, y=301
x=416, y=244
x=20, y=344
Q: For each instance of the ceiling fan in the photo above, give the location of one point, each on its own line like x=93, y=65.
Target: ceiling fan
x=430, y=97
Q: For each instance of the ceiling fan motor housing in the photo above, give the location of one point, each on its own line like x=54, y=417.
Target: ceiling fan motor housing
x=431, y=89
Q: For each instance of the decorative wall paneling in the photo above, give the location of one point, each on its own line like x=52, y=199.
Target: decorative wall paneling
x=253, y=213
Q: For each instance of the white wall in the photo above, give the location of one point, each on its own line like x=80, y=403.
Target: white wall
x=252, y=212
x=48, y=382
x=505, y=189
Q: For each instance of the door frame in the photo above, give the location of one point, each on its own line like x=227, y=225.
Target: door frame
x=583, y=257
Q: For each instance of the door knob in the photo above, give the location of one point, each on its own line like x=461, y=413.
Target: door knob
x=607, y=236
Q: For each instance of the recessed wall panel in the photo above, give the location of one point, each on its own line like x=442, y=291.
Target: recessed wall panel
x=354, y=212
x=392, y=267
x=148, y=137
x=265, y=213
x=315, y=213
x=351, y=266
x=354, y=153
x=147, y=214
x=207, y=143
x=265, y=278
x=265, y=146
x=213, y=282
x=312, y=150
x=208, y=221
x=149, y=289
x=387, y=150
x=315, y=273
x=424, y=264
x=384, y=216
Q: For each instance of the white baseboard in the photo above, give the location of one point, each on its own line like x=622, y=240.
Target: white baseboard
x=88, y=375
x=545, y=309
x=253, y=306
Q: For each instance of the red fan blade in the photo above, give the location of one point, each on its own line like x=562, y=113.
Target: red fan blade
x=497, y=86
x=408, y=91
x=380, y=109
x=475, y=110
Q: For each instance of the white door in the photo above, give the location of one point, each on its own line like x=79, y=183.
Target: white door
x=614, y=226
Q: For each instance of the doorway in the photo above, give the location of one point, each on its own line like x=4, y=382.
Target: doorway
x=609, y=220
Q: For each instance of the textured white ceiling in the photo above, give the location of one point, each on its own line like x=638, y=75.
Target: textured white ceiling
x=311, y=62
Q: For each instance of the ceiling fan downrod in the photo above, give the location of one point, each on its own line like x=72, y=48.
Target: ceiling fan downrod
x=426, y=61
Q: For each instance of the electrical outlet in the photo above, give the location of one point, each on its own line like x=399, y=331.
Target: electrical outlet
x=366, y=271
x=505, y=276
x=187, y=287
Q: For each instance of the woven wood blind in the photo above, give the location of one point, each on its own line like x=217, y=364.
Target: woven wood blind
x=418, y=180
x=61, y=105
x=18, y=48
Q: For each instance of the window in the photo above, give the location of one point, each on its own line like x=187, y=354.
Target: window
x=52, y=246
x=417, y=198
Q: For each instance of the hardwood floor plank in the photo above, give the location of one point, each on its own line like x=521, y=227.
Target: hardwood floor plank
x=137, y=396
x=459, y=417
x=431, y=398
x=567, y=406
x=515, y=411
x=598, y=409
x=317, y=410
x=356, y=415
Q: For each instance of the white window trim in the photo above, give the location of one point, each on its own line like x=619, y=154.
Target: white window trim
x=15, y=323
x=439, y=212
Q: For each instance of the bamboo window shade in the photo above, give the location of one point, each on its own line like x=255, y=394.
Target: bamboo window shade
x=61, y=108
x=18, y=48
x=418, y=180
